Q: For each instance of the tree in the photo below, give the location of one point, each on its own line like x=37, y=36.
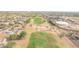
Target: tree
x=27, y=21
x=12, y=37
x=22, y=34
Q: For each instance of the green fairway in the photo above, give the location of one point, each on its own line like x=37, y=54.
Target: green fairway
x=42, y=40
x=38, y=20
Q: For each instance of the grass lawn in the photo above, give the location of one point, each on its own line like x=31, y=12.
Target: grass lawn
x=38, y=20
x=42, y=40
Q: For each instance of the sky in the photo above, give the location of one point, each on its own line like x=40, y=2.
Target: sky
x=39, y=5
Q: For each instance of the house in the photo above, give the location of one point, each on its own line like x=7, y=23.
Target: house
x=7, y=32
x=3, y=42
x=6, y=23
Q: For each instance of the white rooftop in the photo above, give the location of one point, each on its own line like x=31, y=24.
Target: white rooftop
x=62, y=23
